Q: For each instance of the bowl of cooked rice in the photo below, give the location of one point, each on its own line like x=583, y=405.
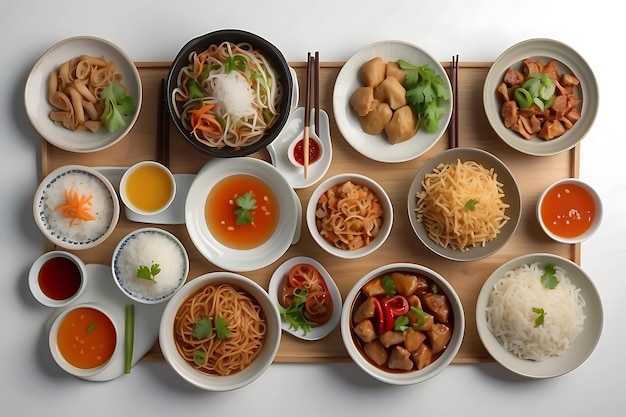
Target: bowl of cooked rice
x=149, y=265
x=220, y=332
x=464, y=204
x=76, y=207
x=349, y=215
x=539, y=315
x=402, y=323
x=83, y=94
x=229, y=92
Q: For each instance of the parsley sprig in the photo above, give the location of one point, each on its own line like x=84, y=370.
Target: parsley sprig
x=245, y=204
x=205, y=328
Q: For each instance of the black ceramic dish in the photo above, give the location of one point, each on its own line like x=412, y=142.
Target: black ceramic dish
x=274, y=56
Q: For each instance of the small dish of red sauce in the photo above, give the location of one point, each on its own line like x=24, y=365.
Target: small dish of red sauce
x=57, y=278
x=296, y=150
x=569, y=211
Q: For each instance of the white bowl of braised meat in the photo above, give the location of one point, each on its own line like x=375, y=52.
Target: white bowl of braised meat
x=541, y=97
x=402, y=323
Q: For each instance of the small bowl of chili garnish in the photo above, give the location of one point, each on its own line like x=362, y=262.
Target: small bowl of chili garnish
x=57, y=278
x=569, y=211
x=295, y=152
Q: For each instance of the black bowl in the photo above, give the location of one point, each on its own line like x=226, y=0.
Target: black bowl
x=273, y=55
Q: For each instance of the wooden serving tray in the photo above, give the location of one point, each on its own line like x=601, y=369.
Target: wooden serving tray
x=532, y=173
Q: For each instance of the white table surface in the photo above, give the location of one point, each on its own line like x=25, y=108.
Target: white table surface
x=31, y=384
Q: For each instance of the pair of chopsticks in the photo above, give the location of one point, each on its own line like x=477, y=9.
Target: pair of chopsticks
x=312, y=99
x=454, y=78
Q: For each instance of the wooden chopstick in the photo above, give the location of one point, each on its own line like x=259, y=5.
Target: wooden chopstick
x=163, y=128
x=307, y=113
x=454, y=78
x=316, y=92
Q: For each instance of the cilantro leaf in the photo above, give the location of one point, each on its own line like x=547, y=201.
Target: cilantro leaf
x=221, y=327
x=203, y=329
x=541, y=316
x=245, y=204
x=294, y=314
x=118, y=106
x=424, y=90
x=470, y=205
x=199, y=357
x=548, y=278
x=150, y=273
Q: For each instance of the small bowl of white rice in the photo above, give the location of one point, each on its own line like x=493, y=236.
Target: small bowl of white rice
x=150, y=265
x=539, y=315
x=76, y=207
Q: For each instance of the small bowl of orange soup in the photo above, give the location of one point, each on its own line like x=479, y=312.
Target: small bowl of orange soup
x=84, y=338
x=147, y=188
x=57, y=278
x=241, y=213
x=569, y=211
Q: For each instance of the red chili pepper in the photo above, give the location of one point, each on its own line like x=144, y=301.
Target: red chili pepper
x=380, y=318
x=393, y=307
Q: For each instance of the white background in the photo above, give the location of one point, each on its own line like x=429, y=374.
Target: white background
x=31, y=384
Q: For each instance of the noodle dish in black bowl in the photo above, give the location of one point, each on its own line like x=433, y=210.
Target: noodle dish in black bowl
x=229, y=93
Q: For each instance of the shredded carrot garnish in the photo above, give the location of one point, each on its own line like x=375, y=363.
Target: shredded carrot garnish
x=204, y=120
x=76, y=206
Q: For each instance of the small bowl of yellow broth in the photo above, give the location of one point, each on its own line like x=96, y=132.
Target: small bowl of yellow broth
x=147, y=188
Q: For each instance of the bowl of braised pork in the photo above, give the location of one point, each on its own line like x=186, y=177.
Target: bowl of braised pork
x=541, y=97
x=402, y=323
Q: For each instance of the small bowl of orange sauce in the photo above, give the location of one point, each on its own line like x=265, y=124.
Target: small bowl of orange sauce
x=569, y=211
x=84, y=338
x=57, y=278
x=147, y=188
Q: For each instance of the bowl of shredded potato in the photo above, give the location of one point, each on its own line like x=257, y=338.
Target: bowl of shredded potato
x=229, y=92
x=464, y=204
x=349, y=215
x=541, y=97
x=83, y=94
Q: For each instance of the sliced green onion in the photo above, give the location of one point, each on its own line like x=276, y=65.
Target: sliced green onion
x=129, y=336
x=523, y=98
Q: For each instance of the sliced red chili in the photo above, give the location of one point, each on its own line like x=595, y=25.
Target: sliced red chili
x=393, y=307
x=379, y=317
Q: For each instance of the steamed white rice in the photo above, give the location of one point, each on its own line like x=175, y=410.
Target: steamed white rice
x=145, y=249
x=511, y=319
x=101, y=206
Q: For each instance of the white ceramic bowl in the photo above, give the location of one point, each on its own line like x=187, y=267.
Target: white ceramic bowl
x=146, y=247
x=583, y=345
x=237, y=380
x=406, y=377
x=148, y=184
x=58, y=355
x=219, y=254
x=317, y=332
x=38, y=107
x=512, y=197
x=63, y=267
x=377, y=147
x=568, y=61
x=572, y=210
x=357, y=179
x=47, y=199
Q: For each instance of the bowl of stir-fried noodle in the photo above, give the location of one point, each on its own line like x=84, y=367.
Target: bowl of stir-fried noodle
x=229, y=92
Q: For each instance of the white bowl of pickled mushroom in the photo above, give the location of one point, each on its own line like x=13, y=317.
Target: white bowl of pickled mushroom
x=83, y=94
x=402, y=323
x=541, y=97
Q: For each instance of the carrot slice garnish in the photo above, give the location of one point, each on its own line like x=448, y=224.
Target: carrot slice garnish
x=77, y=207
x=204, y=120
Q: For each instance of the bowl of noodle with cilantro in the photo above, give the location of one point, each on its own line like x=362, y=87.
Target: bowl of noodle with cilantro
x=464, y=204
x=220, y=331
x=229, y=92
